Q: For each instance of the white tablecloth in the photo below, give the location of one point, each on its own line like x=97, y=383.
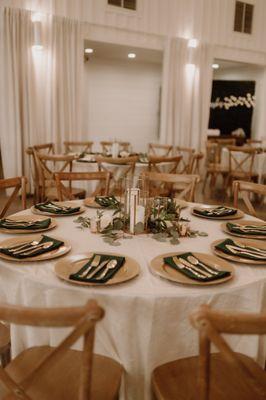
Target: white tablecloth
x=146, y=321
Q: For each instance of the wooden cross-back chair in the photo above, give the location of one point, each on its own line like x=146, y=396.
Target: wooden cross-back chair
x=173, y=185
x=217, y=376
x=159, y=150
x=119, y=168
x=254, y=141
x=47, y=166
x=19, y=185
x=107, y=146
x=187, y=153
x=48, y=148
x=213, y=165
x=59, y=373
x=246, y=189
x=241, y=163
x=78, y=146
x=159, y=164
x=194, y=165
x=102, y=188
x=223, y=141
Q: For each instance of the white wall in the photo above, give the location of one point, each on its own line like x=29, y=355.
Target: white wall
x=122, y=100
x=252, y=73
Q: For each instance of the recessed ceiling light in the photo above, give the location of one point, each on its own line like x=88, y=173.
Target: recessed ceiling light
x=131, y=55
x=215, y=66
x=193, y=43
x=89, y=51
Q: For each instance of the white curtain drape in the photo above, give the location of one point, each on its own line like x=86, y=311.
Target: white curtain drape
x=186, y=93
x=42, y=88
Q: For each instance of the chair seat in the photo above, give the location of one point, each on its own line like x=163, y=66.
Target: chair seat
x=61, y=382
x=177, y=380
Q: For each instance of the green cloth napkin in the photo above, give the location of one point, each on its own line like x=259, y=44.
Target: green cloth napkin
x=107, y=201
x=6, y=224
x=56, y=244
x=212, y=212
x=110, y=274
x=258, y=230
x=48, y=207
x=222, y=247
x=169, y=261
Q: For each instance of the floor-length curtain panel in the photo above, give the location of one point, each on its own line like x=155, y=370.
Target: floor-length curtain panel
x=186, y=92
x=67, y=72
x=18, y=90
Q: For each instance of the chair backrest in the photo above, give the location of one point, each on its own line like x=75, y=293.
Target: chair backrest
x=77, y=146
x=223, y=141
x=194, y=166
x=107, y=146
x=246, y=189
x=241, y=160
x=213, y=156
x=254, y=141
x=48, y=148
x=186, y=153
x=63, y=192
x=157, y=149
x=211, y=324
x=181, y=185
x=19, y=184
x=159, y=164
x=83, y=319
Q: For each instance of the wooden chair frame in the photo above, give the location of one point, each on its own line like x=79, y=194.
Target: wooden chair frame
x=48, y=148
x=248, y=159
x=86, y=146
x=155, y=163
x=194, y=165
x=246, y=188
x=18, y=183
x=81, y=176
x=187, y=153
x=185, y=183
x=214, y=168
x=154, y=147
x=210, y=325
x=83, y=319
x=107, y=146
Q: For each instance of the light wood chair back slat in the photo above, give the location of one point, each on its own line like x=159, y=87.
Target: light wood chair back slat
x=246, y=189
x=83, y=319
x=158, y=164
x=157, y=149
x=254, y=141
x=211, y=324
x=78, y=146
x=241, y=160
x=48, y=148
x=174, y=185
x=102, y=177
x=194, y=166
x=18, y=184
x=187, y=153
x=107, y=146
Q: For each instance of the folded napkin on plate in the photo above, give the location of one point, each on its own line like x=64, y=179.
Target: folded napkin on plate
x=107, y=201
x=110, y=274
x=12, y=224
x=169, y=261
x=53, y=208
x=56, y=244
x=246, y=252
x=215, y=212
x=258, y=230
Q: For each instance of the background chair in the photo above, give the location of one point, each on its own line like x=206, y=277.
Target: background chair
x=78, y=147
x=164, y=164
x=254, y=141
x=103, y=179
x=194, y=166
x=173, y=185
x=107, y=146
x=59, y=372
x=186, y=153
x=246, y=189
x=19, y=184
x=241, y=163
x=218, y=376
x=159, y=149
x=213, y=165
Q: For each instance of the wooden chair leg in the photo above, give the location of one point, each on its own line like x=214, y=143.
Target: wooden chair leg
x=6, y=356
x=5, y=344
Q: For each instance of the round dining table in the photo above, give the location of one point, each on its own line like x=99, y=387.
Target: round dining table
x=146, y=320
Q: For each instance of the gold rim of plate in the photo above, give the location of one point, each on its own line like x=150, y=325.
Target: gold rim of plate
x=158, y=267
x=242, y=235
x=65, y=203
x=128, y=271
x=34, y=218
x=246, y=242
x=62, y=250
x=238, y=215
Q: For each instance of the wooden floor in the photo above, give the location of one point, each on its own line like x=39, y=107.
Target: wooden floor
x=219, y=196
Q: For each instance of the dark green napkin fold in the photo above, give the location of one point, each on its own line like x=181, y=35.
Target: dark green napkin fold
x=56, y=244
x=107, y=201
x=255, y=230
x=223, y=247
x=110, y=274
x=215, y=212
x=169, y=261
x=6, y=224
x=48, y=207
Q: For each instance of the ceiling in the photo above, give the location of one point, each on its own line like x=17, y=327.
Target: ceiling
x=224, y=64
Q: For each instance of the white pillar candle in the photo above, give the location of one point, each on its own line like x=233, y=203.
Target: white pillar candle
x=140, y=214
x=134, y=196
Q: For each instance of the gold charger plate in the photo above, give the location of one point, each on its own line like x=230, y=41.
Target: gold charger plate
x=128, y=271
x=65, y=248
x=61, y=203
x=242, y=235
x=239, y=214
x=246, y=242
x=52, y=225
x=158, y=267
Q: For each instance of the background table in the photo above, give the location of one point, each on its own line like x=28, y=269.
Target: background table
x=146, y=321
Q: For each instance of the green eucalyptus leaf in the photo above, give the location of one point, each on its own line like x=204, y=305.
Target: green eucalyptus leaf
x=203, y=234
x=174, y=240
